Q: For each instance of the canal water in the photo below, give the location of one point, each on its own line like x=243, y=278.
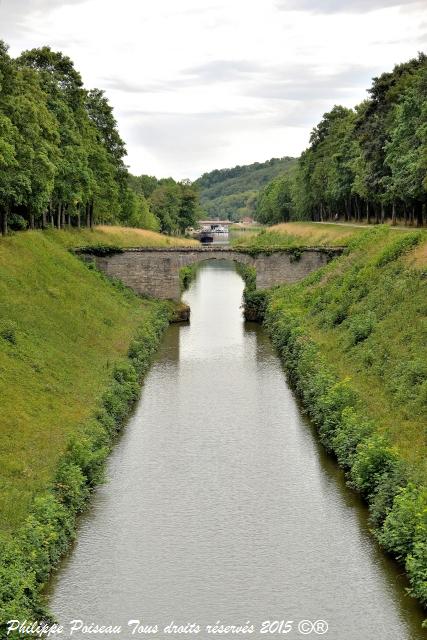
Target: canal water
x=221, y=508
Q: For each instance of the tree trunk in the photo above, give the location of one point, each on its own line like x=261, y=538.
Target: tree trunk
x=44, y=220
x=393, y=214
x=64, y=208
x=78, y=217
x=368, y=213
x=59, y=215
x=382, y=213
x=4, y=217
x=87, y=215
x=31, y=219
x=91, y=215
x=420, y=214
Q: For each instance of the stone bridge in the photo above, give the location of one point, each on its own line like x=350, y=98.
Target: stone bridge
x=155, y=272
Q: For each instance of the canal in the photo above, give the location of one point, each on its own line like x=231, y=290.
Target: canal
x=221, y=507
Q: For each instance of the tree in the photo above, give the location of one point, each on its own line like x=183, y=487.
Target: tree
x=275, y=202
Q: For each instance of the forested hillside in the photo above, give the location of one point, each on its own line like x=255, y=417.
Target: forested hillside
x=62, y=157
x=363, y=164
x=232, y=193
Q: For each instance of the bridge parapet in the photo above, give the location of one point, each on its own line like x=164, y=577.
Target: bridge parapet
x=155, y=271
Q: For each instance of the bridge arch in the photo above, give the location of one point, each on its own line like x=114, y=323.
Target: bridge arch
x=155, y=272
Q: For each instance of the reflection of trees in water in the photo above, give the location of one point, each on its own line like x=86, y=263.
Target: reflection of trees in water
x=169, y=351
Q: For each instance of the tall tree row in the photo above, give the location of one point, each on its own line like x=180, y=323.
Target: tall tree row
x=62, y=157
x=363, y=164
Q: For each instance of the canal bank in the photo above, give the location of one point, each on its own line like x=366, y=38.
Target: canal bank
x=221, y=505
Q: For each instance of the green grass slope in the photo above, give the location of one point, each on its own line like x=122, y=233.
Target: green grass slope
x=232, y=193
x=62, y=329
x=353, y=337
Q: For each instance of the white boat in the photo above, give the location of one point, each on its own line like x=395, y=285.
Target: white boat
x=218, y=228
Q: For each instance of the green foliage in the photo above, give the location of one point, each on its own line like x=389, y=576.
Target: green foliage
x=362, y=303
x=100, y=250
x=135, y=211
x=231, y=194
x=187, y=275
x=254, y=300
x=174, y=204
x=275, y=202
x=399, y=533
x=353, y=430
x=360, y=327
x=397, y=248
x=374, y=458
x=8, y=331
x=61, y=155
x=363, y=163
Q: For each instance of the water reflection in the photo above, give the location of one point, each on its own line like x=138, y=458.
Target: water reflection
x=220, y=504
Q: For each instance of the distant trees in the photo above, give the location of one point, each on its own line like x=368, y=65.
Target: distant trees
x=62, y=157
x=367, y=163
x=233, y=193
x=175, y=204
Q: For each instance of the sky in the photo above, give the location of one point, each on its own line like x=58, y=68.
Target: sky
x=204, y=84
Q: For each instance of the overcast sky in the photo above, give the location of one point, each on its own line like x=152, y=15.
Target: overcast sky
x=204, y=84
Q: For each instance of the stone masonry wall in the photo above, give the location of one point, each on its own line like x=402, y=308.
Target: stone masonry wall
x=155, y=272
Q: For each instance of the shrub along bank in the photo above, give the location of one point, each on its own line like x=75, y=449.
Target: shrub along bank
x=73, y=350
x=352, y=338
x=186, y=275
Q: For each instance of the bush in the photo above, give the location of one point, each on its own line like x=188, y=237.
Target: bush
x=187, y=275
x=17, y=222
x=330, y=406
x=255, y=303
x=393, y=479
x=400, y=526
x=374, y=458
x=46, y=534
x=416, y=564
x=8, y=331
x=353, y=430
x=100, y=250
x=71, y=486
x=360, y=327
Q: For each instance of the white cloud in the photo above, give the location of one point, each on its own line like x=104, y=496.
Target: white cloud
x=199, y=84
x=340, y=6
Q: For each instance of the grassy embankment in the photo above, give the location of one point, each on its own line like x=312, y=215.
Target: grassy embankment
x=352, y=337
x=297, y=234
x=65, y=334
x=115, y=237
